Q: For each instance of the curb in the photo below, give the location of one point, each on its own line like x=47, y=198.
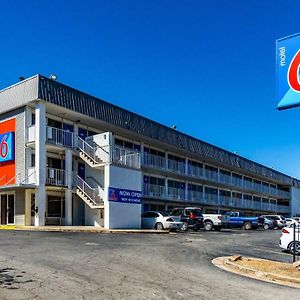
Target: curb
x=224, y=264
x=86, y=230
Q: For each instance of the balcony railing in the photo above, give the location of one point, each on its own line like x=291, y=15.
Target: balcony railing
x=154, y=161
x=195, y=196
x=126, y=157
x=56, y=177
x=195, y=171
x=225, y=178
x=211, y=175
x=175, y=193
x=154, y=190
x=176, y=166
x=60, y=137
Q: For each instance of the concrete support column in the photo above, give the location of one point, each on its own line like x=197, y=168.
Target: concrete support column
x=27, y=207
x=186, y=196
x=69, y=183
x=186, y=170
x=40, y=163
x=75, y=134
x=166, y=186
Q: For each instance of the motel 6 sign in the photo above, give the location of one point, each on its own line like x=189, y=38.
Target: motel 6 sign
x=288, y=79
x=7, y=147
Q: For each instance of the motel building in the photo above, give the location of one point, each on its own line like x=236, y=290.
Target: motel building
x=68, y=158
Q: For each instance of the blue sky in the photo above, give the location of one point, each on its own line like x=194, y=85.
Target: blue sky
x=207, y=66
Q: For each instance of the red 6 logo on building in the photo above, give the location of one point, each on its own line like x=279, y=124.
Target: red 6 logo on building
x=3, y=147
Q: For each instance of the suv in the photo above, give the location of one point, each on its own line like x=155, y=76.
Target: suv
x=191, y=217
x=280, y=220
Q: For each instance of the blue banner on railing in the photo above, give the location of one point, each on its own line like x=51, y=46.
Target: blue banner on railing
x=124, y=196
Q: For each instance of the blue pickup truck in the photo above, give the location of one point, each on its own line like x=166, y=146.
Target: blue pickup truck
x=247, y=223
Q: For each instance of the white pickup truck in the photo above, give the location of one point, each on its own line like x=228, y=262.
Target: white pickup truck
x=215, y=221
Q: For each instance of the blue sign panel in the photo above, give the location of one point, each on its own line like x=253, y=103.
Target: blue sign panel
x=288, y=81
x=7, y=147
x=124, y=196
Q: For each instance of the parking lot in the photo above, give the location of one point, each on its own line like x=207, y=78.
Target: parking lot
x=45, y=265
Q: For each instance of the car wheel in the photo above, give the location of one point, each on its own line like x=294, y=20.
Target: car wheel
x=266, y=226
x=208, y=225
x=159, y=226
x=248, y=226
x=297, y=247
x=184, y=226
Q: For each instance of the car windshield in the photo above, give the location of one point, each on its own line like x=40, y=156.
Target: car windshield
x=273, y=217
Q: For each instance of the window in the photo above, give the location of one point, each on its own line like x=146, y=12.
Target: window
x=195, y=187
x=154, y=152
x=248, y=179
x=33, y=119
x=209, y=168
x=224, y=172
x=32, y=164
x=56, y=207
x=54, y=123
x=212, y=191
x=176, y=184
x=176, y=158
x=237, y=195
x=247, y=197
x=195, y=164
x=224, y=193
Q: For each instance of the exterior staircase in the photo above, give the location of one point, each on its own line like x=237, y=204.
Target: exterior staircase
x=91, y=196
x=90, y=154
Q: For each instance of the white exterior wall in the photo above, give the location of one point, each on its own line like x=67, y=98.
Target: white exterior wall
x=295, y=201
x=122, y=215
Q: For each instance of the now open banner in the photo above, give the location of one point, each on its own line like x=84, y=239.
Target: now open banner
x=124, y=196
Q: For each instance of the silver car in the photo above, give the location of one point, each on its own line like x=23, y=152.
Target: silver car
x=160, y=221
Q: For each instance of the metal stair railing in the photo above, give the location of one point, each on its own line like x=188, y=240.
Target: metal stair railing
x=88, y=150
x=93, y=194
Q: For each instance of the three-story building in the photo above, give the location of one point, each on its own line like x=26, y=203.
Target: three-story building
x=69, y=158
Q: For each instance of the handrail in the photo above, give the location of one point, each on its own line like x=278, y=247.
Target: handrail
x=87, y=149
x=26, y=178
x=91, y=177
x=88, y=190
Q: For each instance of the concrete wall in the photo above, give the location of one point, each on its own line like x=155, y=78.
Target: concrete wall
x=122, y=215
x=20, y=207
x=78, y=211
x=93, y=216
x=295, y=201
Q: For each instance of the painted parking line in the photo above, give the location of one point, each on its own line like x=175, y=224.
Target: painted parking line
x=270, y=251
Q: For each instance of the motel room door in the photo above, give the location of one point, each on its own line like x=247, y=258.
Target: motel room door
x=7, y=209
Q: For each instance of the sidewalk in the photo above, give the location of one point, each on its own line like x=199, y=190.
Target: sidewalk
x=260, y=269
x=80, y=229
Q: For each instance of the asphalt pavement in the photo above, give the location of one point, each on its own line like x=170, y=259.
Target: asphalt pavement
x=58, y=265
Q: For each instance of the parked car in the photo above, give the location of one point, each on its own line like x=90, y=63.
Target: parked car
x=286, y=241
x=290, y=221
x=160, y=221
x=280, y=220
x=247, y=223
x=215, y=221
x=191, y=217
x=266, y=223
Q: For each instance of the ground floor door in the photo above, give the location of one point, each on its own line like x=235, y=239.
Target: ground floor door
x=7, y=209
